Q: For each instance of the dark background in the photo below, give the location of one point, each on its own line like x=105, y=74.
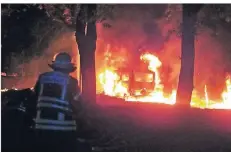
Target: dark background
x=16, y=29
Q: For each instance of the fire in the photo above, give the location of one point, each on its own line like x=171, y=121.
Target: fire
x=5, y=89
x=225, y=103
x=113, y=85
x=110, y=84
x=154, y=64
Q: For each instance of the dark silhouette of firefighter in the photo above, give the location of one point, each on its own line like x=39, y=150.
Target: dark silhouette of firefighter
x=57, y=94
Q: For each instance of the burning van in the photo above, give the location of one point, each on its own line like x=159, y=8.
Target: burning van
x=138, y=82
x=129, y=79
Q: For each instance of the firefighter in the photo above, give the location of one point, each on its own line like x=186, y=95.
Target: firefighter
x=55, y=91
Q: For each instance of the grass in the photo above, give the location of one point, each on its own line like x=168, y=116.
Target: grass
x=113, y=125
x=156, y=127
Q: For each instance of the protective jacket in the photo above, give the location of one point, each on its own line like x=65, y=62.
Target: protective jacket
x=55, y=91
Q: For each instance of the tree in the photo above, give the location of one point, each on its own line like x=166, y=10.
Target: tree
x=82, y=19
x=86, y=40
x=17, y=22
x=185, y=85
x=75, y=17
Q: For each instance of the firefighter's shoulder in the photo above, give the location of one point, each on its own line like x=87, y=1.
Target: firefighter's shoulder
x=73, y=80
x=51, y=74
x=45, y=73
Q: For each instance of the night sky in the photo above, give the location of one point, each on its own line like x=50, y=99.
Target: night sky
x=16, y=31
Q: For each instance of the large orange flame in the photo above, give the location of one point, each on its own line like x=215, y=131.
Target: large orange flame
x=113, y=86
x=225, y=103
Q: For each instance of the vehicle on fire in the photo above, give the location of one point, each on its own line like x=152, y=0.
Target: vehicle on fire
x=139, y=82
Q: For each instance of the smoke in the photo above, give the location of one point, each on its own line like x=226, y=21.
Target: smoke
x=133, y=27
x=210, y=64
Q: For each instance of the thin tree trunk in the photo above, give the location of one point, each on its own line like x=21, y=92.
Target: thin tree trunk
x=185, y=85
x=86, y=40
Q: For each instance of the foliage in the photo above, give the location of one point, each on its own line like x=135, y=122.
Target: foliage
x=59, y=18
x=45, y=32
x=67, y=13
x=210, y=15
x=217, y=15
x=218, y=19
x=17, y=20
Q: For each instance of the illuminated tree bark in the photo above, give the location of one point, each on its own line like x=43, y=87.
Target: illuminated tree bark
x=185, y=85
x=86, y=40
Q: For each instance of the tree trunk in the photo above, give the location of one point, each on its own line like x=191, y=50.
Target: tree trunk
x=185, y=85
x=86, y=40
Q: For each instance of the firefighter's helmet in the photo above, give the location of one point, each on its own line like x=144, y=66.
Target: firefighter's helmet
x=62, y=61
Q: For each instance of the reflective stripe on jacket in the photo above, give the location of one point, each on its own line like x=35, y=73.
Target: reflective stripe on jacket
x=54, y=111
x=55, y=127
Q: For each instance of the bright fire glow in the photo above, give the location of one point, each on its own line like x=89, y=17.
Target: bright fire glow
x=225, y=103
x=113, y=85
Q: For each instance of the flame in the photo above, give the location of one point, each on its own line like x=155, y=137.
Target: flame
x=5, y=89
x=154, y=64
x=206, y=97
x=112, y=85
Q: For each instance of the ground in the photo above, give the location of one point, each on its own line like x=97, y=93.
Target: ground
x=121, y=126
x=153, y=127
